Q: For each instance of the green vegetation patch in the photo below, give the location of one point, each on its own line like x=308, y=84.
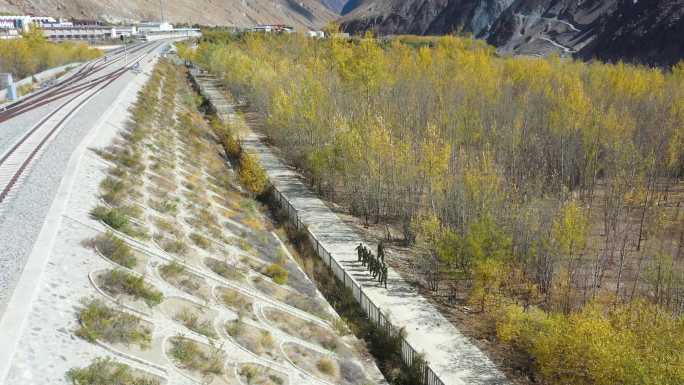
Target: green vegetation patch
x=191, y=320
x=258, y=374
x=195, y=357
x=258, y=341
x=105, y=371
x=100, y=322
x=121, y=282
x=225, y=270
x=177, y=275
x=277, y=273
x=115, y=249
x=118, y=219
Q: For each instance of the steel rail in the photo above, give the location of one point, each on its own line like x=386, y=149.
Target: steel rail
x=60, y=92
x=33, y=152
x=88, y=69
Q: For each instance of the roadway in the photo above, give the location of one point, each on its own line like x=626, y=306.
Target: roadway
x=37, y=137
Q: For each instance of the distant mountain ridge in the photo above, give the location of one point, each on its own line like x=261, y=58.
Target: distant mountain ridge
x=302, y=14
x=643, y=31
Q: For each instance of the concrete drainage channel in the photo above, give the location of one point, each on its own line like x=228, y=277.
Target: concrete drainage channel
x=154, y=240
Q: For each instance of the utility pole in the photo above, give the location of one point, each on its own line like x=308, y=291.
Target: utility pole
x=161, y=10
x=123, y=39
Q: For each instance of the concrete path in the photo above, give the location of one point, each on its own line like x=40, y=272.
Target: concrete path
x=452, y=357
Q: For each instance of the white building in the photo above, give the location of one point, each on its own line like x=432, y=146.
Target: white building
x=276, y=28
x=155, y=26
x=23, y=22
x=315, y=34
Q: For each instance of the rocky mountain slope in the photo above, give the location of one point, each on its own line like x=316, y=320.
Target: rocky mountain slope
x=335, y=5
x=646, y=31
x=302, y=14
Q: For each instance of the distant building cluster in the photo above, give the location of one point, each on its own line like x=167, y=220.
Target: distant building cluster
x=272, y=28
x=281, y=28
x=11, y=27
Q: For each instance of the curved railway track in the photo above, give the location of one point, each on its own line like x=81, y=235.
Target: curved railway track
x=39, y=98
x=76, y=91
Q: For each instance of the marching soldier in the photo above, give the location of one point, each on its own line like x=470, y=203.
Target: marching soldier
x=384, y=275
x=380, y=266
x=379, y=275
x=359, y=249
x=381, y=252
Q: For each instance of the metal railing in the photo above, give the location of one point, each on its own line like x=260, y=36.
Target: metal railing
x=374, y=313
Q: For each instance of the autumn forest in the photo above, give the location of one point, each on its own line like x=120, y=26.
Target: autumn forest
x=548, y=190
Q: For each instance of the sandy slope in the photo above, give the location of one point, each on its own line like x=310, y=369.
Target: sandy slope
x=244, y=13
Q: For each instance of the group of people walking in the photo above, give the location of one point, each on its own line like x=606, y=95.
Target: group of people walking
x=375, y=265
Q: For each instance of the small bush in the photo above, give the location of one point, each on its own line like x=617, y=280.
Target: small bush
x=122, y=282
x=132, y=160
x=117, y=218
x=249, y=372
x=231, y=144
x=266, y=340
x=164, y=206
x=224, y=270
x=114, y=218
x=113, y=191
x=191, y=356
x=277, y=273
x=105, y=371
x=175, y=246
x=191, y=321
x=99, y=322
x=177, y=275
x=200, y=241
x=168, y=227
x=237, y=301
x=326, y=366
x=235, y=328
x=131, y=211
x=341, y=327
x=207, y=218
x=115, y=249
x=172, y=270
x=252, y=175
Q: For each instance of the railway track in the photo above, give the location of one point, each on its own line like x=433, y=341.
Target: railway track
x=75, y=92
x=38, y=98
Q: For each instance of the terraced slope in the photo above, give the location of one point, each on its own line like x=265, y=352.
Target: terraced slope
x=164, y=263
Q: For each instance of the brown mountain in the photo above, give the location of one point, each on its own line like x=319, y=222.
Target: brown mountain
x=303, y=14
x=645, y=31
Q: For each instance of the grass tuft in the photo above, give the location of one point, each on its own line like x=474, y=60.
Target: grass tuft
x=115, y=249
x=191, y=320
x=191, y=356
x=277, y=273
x=121, y=282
